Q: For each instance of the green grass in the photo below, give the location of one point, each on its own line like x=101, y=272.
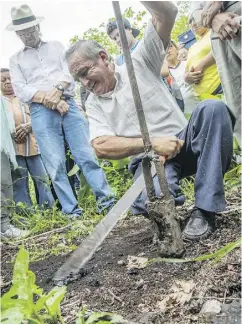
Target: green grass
x=39, y=221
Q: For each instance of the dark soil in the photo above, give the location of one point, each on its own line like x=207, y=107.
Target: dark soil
x=109, y=286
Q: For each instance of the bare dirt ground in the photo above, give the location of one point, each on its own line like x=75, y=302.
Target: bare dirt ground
x=159, y=293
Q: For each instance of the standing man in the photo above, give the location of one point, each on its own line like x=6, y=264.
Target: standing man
x=202, y=146
x=223, y=17
x=41, y=78
x=27, y=153
x=131, y=34
x=7, y=156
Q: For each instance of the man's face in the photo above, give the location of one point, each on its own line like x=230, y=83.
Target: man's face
x=114, y=35
x=172, y=52
x=6, y=86
x=95, y=75
x=30, y=36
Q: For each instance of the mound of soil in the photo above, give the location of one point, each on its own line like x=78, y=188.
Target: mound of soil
x=159, y=293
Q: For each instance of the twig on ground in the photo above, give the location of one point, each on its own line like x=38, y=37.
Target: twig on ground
x=72, y=304
x=56, y=230
x=231, y=210
x=114, y=296
x=225, y=293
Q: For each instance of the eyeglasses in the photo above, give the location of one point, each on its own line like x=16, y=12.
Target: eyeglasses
x=24, y=32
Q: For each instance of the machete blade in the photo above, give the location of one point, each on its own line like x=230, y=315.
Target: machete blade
x=90, y=244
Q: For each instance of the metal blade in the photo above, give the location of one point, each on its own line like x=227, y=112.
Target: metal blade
x=88, y=247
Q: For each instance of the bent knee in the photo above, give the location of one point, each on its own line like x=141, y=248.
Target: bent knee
x=212, y=108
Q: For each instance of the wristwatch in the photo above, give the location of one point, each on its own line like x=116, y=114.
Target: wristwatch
x=60, y=88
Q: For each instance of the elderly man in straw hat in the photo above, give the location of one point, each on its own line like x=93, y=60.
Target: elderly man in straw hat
x=41, y=78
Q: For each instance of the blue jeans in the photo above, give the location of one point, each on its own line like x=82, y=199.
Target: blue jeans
x=50, y=130
x=35, y=166
x=207, y=153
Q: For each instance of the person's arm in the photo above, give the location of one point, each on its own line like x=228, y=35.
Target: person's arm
x=223, y=23
x=65, y=79
x=193, y=76
x=163, y=18
x=21, y=132
x=164, y=70
x=210, y=10
x=22, y=90
x=117, y=147
x=151, y=50
x=207, y=61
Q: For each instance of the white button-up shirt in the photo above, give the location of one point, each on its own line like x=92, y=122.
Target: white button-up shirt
x=39, y=69
x=114, y=113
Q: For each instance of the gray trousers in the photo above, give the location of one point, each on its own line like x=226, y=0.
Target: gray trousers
x=6, y=191
x=207, y=153
x=34, y=166
x=228, y=59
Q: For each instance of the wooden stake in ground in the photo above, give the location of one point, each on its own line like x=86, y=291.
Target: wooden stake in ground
x=161, y=211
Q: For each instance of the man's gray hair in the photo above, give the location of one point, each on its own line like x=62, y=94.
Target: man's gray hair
x=86, y=48
x=4, y=70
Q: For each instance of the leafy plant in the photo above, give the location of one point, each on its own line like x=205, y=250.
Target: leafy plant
x=217, y=256
x=233, y=177
x=181, y=24
x=19, y=304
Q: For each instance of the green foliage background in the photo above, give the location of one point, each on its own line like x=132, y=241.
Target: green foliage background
x=138, y=20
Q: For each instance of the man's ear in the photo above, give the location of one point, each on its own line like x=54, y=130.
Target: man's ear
x=104, y=57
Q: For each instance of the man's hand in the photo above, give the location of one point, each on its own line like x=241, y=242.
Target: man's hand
x=52, y=98
x=62, y=107
x=168, y=146
x=210, y=10
x=225, y=25
x=193, y=76
x=21, y=132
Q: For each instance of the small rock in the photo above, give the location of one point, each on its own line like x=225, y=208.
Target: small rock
x=140, y=284
x=211, y=306
x=133, y=271
x=94, y=283
x=121, y=262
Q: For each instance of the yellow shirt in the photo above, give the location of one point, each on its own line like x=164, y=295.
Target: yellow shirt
x=197, y=52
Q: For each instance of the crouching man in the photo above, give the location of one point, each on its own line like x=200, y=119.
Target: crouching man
x=202, y=146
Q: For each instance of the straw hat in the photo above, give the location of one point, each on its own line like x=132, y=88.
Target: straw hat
x=23, y=18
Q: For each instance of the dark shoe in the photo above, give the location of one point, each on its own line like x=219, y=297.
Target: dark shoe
x=200, y=225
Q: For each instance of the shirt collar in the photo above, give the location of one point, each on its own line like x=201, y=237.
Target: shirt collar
x=8, y=98
x=40, y=44
x=117, y=76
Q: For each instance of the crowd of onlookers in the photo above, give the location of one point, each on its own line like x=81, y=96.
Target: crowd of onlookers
x=41, y=120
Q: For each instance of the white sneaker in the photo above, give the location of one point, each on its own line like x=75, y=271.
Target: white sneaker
x=13, y=232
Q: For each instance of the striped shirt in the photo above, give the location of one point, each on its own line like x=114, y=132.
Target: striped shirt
x=21, y=115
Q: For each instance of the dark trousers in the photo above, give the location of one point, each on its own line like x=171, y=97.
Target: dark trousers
x=207, y=153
